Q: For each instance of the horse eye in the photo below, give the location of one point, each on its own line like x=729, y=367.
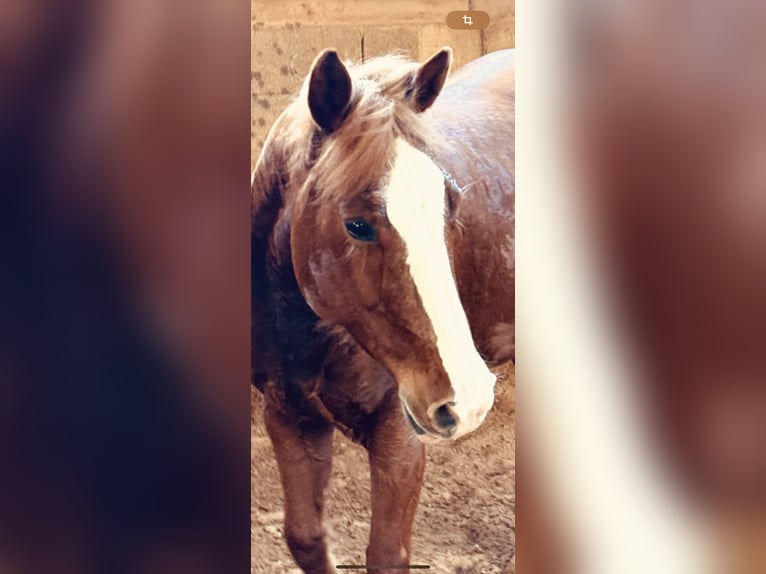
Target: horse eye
x=361, y=230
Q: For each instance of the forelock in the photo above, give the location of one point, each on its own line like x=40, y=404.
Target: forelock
x=359, y=153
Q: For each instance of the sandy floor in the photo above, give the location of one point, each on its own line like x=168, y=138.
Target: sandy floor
x=466, y=518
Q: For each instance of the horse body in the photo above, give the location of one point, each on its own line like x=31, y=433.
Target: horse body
x=352, y=326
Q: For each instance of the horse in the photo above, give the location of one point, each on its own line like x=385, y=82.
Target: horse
x=383, y=274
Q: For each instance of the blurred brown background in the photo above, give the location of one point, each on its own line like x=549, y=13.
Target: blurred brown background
x=642, y=274
x=124, y=286
x=287, y=36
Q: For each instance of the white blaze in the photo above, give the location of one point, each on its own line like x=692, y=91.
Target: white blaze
x=415, y=205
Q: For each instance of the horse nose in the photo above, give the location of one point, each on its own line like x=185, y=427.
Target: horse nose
x=444, y=419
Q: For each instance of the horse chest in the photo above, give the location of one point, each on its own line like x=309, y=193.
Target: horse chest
x=322, y=372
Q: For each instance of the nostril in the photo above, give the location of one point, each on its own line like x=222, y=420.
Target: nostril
x=444, y=418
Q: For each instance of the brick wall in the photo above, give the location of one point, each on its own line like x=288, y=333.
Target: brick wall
x=288, y=34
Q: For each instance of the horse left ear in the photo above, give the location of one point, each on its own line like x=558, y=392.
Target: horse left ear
x=430, y=78
x=329, y=91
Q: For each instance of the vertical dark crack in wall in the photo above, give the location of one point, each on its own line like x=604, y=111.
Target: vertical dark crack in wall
x=483, y=36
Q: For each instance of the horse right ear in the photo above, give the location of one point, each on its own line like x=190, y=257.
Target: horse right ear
x=430, y=78
x=329, y=91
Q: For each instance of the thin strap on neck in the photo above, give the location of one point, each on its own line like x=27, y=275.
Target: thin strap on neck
x=451, y=180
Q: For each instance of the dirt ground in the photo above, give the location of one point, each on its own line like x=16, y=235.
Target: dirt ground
x=466, y=518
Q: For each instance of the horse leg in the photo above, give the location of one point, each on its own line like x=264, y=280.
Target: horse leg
x=397, y=461
x=304, y=458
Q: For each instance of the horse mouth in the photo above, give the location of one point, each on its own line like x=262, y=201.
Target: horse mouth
x=426, y=436
x=419, y=430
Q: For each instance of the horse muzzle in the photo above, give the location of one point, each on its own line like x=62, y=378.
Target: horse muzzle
x=442, y=426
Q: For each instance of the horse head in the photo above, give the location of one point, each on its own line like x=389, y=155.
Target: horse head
x=369, y=228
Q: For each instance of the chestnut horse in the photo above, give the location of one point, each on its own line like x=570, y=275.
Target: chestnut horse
x=382, y=277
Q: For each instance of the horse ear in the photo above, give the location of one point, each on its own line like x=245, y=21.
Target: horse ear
x=430, y=79
x=329, y=91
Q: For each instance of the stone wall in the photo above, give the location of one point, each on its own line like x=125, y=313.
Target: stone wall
x=288, y=34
